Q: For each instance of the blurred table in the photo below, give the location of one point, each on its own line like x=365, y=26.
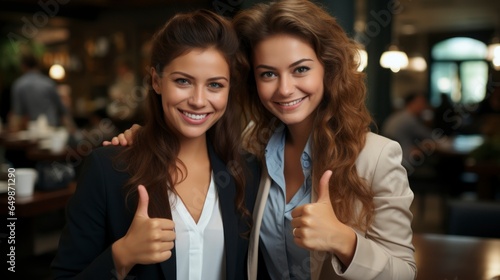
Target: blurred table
x=27, y=209
x=456, y=257
x=16, y=140
x=39, y=203
x=15, y=145
x=37, y=154
x=33, y=152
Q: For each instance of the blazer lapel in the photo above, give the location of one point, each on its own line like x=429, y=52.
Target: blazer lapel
x=258, y=212
x=169, y=267
x=317, y=258
x=226, y=190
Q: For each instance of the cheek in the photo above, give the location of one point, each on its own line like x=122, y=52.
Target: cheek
x=316, y=86
x=166, y=102
x=219, y=102
x=320, y=90
x=265, y=90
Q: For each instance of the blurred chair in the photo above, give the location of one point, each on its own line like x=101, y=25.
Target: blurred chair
x=473, y=218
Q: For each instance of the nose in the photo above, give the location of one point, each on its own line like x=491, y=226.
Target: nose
x=286, y=85
x=198, y=97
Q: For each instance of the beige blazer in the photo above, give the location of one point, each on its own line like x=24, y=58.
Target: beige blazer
x=385, y=251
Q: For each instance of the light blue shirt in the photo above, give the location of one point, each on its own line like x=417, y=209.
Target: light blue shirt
x=284, y=259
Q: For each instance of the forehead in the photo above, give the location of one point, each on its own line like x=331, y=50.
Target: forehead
x=282, y=48
x=199, y=60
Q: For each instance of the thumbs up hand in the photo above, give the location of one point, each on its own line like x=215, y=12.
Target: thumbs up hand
x=316, y=227
x=147, y=241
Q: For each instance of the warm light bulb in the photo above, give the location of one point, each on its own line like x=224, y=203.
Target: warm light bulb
x=362, y=59
x=417, y=63
x=394, y=59
x=493, y=51
x=57, y=72
x=395, y=69
x=496, y=62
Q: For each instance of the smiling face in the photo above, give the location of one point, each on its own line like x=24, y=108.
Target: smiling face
x=194, y=89
x=289, y=78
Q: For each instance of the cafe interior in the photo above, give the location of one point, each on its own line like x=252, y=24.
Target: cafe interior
x=441, y=48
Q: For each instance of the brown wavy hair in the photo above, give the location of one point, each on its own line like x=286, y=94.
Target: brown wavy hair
x=152, y=160
x=342, y=119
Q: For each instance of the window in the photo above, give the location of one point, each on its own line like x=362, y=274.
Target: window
x=459, y=70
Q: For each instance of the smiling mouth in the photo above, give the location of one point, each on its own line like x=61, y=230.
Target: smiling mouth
x=194, y=116
x=291, y=103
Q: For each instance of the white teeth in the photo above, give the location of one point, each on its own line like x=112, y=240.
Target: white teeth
x=194, y=116
x=292, y=102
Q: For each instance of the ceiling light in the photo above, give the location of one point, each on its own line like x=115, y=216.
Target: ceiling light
x=394, y=59
x=493, y=49
x=362, y=59
x=496, y=63
x=417, y=63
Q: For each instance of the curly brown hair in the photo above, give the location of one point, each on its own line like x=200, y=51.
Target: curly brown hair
x=342, y=119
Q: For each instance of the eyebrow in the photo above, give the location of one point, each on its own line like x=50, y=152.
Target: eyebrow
x=289, y=66
x=191, y=77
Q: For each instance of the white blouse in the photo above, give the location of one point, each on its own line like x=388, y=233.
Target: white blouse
x=199, y=247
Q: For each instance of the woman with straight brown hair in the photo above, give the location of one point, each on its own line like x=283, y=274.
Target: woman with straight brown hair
x=185, y=182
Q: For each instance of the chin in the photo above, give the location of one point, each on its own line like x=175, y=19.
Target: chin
x=291, y=120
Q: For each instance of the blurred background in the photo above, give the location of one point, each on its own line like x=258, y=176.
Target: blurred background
x=96, y=51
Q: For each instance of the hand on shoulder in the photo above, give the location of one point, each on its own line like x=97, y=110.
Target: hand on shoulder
x=125, y=138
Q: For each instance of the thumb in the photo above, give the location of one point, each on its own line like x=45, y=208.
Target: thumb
x=324, y=187
x=142, y=206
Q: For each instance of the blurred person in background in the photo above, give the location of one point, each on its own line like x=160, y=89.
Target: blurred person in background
x=407, y=127
x=37, y=106
x=34, y=94
x=428, y=155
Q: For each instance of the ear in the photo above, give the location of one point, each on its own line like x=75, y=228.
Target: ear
x=155, y=80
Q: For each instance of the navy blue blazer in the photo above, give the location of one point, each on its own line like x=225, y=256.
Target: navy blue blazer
x=97, y=216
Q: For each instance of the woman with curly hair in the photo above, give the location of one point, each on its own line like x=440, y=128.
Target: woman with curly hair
x=309, y=123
